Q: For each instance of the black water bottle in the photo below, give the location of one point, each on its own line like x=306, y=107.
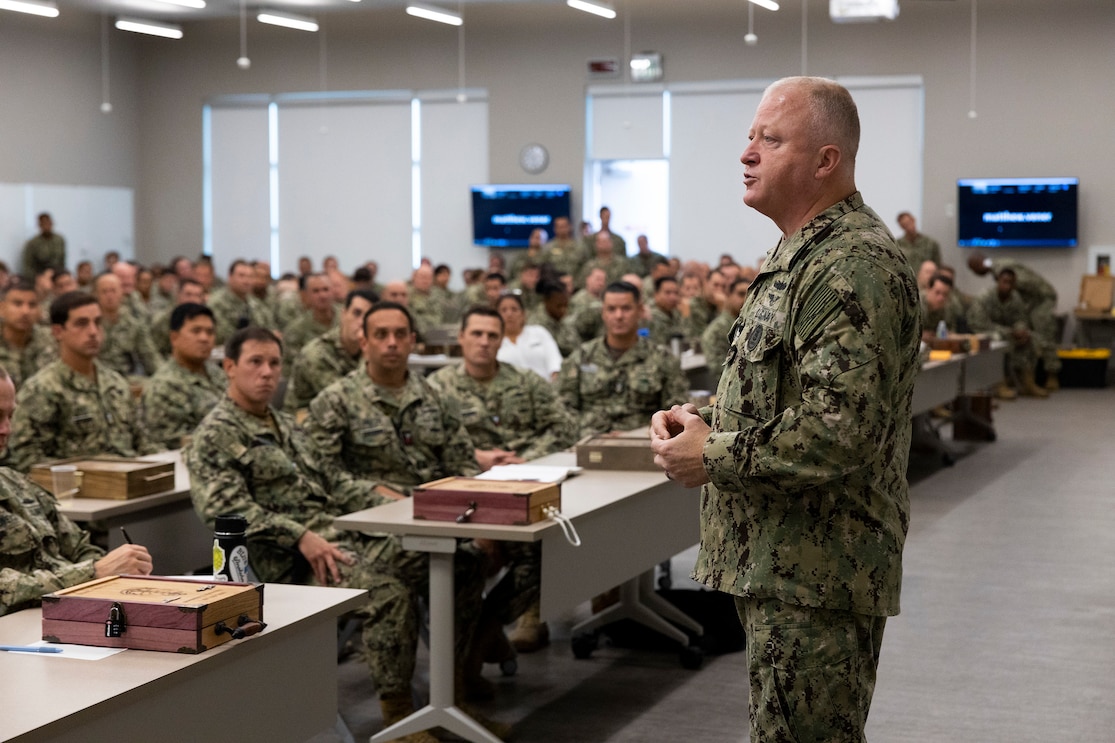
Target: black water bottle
x=230, y=549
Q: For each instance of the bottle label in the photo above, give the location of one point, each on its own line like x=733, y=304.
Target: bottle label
x=238, y=564
x=218, y=561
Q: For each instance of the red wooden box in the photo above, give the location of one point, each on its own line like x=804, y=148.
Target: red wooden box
x=514, y=502
x=182, y=616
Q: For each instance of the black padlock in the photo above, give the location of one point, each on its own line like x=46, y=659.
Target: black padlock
x=114, y=625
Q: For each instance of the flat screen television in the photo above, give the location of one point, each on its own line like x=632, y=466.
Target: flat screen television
x=1016, y=212
x=503, y=216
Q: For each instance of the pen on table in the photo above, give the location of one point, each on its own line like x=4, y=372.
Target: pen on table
x=30, y=649
x=126, y=537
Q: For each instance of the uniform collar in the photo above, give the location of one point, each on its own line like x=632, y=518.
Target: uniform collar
x=783, y=255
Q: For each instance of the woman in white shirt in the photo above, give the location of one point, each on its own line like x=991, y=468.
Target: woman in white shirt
x=526, y=346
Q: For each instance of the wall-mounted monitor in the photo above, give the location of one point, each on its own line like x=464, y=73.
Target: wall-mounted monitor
x=1016, y=212
x=503, y=216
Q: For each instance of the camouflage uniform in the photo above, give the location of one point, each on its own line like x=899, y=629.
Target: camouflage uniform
x=922, y=249
x=989, y=315
x=426, y=311
x=523, y=258
x=135, y=306
x=516, y=411
x=701, y=313
x=566, y=256
x=562, y=332
x=1040, y=299
x=40, y=253
x=806, y=512
x=176, y=399
x=232, y=313
x=614, y=268
x=128, y=346
x=23, y=363
x=450, y=304
x=267, y=471
x=321, y=363
x=715, y=345
x=60, y=413
x=620, y=394
x=664, y=326
x=40, y=549
x=531, y=299
x=288, y=310
x=302, y=331
x=366, y=438
x=586, y=318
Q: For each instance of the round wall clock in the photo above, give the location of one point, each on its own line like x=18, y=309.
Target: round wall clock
x=534, y=158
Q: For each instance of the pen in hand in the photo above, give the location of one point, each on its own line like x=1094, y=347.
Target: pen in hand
x=30, y=649
x=126, y=537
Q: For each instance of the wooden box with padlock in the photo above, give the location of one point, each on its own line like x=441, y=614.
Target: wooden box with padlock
x=151, y=613
x=468, y=499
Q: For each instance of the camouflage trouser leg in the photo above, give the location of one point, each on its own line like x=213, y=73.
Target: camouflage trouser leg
x=812, y=671
x=1045, y=334
x=520, y=587
x=396, y=580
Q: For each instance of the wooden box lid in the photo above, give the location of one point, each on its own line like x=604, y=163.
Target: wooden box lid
x=512, y=502
x=113, y=478
x=1096, y=292
x=159, y=613
x=629, y=450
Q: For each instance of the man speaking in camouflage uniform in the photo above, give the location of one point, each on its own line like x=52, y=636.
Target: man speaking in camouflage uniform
x=805, y=504
x=616, y=382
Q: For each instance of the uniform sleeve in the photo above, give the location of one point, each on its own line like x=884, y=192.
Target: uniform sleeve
x=326, y=427
x=980, y=320
x=219, y=484
x=555, y=426
x=157, y=415
x=848, y=369
x=33, y=426
x=149, y=357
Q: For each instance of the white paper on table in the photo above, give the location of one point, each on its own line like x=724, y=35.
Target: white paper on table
x=76, y=652
x=529, y=472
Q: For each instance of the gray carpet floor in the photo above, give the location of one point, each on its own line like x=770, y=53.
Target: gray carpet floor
x=1007, y=631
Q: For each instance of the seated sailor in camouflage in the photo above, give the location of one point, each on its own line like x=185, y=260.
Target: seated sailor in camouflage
x=551, y=315
x=323, y=316
x=250, y=459
x=189, y=291
x=615, y=383
x=188, y=384
x=127, y=348
x=512, y=415
x=234, y=306
x=25, y=345
x=41, y=550
x=665, y=320
x=805, y=506
x=75, y=406
x=329, y=357
x=1001, y=310
x=379, y=432
x=715, y=342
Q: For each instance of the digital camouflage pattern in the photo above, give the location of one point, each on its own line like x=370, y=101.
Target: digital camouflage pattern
x=175, y=400
x=128, y=345
x=232, y=313
x=922, y=249
x=808, y=501
x=620, y=394
x=41, y=253
x=60, y=413
x=366, y=437
x=701, y=313
x=1040, y=299
x=321, y=363
x=426, y=311
x=715, y=345
x=664, y=326
x=516, y=411
x=990, y=315
x=40, y=549
x=566, y=256
x=22, y=364
x=303, y=330
x=268, y=471
x=562, y=332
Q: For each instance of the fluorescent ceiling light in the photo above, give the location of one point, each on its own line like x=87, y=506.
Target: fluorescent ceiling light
x=430, y=13
x=152, y=28
x=49, y=10
x=287, y=20
x=768, y=4
x=596, y=7
x=199, y=4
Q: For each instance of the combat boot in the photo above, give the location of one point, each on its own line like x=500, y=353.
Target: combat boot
x=395, y=707
x=530, y=633
x=1030, y=388
x=1005, y=392
x=1052, y=383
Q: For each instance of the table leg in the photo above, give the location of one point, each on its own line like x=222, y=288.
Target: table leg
x=441, y=711
x=637, y=601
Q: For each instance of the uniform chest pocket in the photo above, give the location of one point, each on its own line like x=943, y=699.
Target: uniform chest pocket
x=646, y=389
x=594, y=384
x=755, y=365
x=371, y=439
x=428, y=428
x=268, y=463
